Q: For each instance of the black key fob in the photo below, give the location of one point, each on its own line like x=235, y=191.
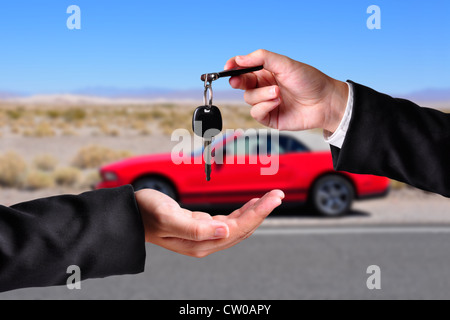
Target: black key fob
x=207, y=118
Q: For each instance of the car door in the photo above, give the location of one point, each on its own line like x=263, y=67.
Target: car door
x=252, y=166
x=297, y=165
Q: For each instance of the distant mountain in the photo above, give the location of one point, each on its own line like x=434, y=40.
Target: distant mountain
x=430, y=95
x=113, y=92
x=7, y=95
x=157, y=93
x=436, y=98
x=105, y=95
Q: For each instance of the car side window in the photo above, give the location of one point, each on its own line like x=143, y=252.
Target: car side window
x=244, y=145
x=289, y=144
x=268, y=146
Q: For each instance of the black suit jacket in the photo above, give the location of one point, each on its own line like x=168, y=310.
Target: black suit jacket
x=397, y=139
x=99, y=231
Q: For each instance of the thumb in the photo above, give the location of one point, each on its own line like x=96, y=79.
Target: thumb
x=271, y=61
x=188, y=228
x=254, y=215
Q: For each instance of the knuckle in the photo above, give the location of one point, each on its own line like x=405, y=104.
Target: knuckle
x=261, y=52
x=273, y=90
x=198, y=232
x=248, y=96
x=255, y=113
x=195, y=232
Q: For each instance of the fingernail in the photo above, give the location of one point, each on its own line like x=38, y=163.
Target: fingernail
x=220, y=232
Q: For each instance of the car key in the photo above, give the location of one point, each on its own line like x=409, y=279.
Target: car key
x=207, y=123
x=207, y=119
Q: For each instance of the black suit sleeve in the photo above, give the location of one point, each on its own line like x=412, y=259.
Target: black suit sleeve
x=100, y=231
x=397, y=139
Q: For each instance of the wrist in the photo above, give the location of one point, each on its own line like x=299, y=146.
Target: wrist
x=140, y=201
x=337, y=105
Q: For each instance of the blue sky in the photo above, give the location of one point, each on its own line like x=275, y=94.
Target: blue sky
x=168, y=44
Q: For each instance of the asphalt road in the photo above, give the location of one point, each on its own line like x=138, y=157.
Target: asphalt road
x=288, y=263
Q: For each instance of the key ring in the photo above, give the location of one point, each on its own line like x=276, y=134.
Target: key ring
x=208, y=88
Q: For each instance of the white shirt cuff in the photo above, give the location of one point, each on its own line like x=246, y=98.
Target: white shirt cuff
x=338, y=137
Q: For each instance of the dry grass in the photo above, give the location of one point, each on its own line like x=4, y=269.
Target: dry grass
x=94, y=156
x=15, y=172
x=45, y=162
x=90, y=179
x=67, y=176
x=41, y=130
x=49, y=121
x=36, y=179
x=12, y=170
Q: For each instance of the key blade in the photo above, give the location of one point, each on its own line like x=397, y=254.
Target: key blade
x=208, y=172
x=207, y=154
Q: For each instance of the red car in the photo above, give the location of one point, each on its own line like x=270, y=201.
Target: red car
x=304, y=175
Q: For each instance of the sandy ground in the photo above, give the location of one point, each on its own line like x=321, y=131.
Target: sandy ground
x=64, y=148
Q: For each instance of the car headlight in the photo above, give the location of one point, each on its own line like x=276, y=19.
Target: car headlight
x=109, y=176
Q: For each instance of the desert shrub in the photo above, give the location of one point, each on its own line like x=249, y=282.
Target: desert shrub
x=74, y=114
x=106, y=130
x=158, y=114
x=143, y=115
x=41, y=130
x=12, y=169
x=114, y=132
x=168, y=106
x=94, y=156
x=53, y=114
x=138, y=125
x=15, y=114
x=167, y=126
x=36, y=179
x=90, y=179
x=67, y=176
x=45, y=162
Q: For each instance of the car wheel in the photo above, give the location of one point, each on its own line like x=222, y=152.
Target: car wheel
x=332, y=196
x=157, y=184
